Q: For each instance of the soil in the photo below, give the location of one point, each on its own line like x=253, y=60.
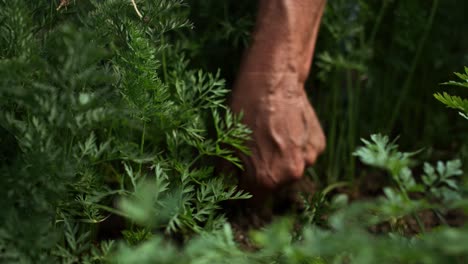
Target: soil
x=254, y=214
x=246, y=216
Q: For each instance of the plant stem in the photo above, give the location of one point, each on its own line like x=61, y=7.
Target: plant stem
x=136, y=9
x=164, y=63
x=409, y=78
x=419, y=222
x=351, y=121
x=331, y=169
x=142, y=146
x=440, y=216
x=378, y=22
x=70, y=146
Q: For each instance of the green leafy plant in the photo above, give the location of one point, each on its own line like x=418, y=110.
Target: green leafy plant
x=372, y=59
x=441, y=181
x=98, y=106
x=456, y=102
x=105, y=112
x=438, y=185
x=345, y=236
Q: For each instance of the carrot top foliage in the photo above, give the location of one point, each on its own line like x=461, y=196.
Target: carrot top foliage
x=116, y=107
x=98, y=104
x=456, y=102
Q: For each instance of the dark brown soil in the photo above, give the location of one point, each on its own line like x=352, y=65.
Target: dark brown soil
x=254, y=214
x=246, y=216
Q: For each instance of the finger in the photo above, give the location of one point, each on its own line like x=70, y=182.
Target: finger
x=315, y=145
x=310, y=156
x=285, y=167
x=293, y=167
x=315, y=138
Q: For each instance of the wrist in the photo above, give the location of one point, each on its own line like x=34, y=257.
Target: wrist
x=276, y=84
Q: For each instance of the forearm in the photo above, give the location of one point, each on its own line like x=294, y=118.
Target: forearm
x=270, y=91
x=284, y=38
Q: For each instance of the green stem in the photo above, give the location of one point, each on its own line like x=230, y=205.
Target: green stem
x=440, y=216
x=415, y=215
x=409, y=78
x=333, y=130
x=70, y=146
x=351, y=121
x=334, y=186
x=195, y=160
x=164, y=64
x=378, y=22
x=419, y=222
x=142, y=146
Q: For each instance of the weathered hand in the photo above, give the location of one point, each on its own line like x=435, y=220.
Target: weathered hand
x=286, y=133
x=270, y=91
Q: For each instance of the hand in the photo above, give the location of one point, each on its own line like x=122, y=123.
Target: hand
x=287, y=135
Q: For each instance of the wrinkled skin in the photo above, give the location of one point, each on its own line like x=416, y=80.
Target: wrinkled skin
x=269, y=90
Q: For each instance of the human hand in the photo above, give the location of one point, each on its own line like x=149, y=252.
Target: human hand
x=286, y=134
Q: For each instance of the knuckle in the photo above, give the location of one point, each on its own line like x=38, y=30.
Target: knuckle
x=322, y=146
x=322, y=142
x=311, y=157
x=295, y=171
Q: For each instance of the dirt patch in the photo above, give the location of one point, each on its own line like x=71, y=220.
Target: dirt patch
x=255, y=214
x=246, y=216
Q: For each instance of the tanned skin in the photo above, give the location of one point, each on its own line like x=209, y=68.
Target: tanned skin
x=269, y=90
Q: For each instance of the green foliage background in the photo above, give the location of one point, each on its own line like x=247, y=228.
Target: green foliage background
x=97, y=105
x=376, y=66
x=104, y=113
